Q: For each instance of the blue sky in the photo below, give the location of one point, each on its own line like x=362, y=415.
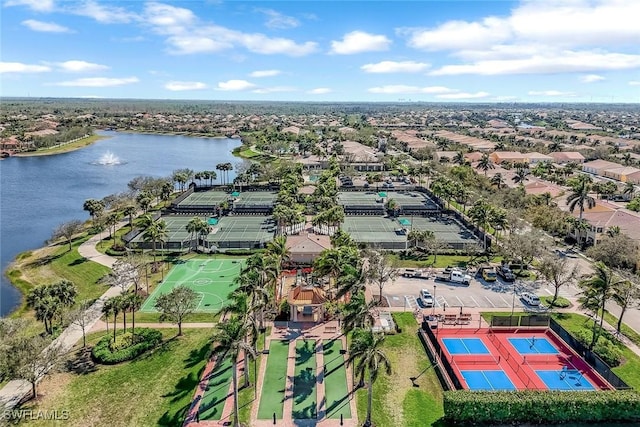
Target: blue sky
x=433, y=51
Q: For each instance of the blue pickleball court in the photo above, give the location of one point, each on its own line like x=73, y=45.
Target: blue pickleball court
x=533, y=345
x=465, y=346
x=487, y=380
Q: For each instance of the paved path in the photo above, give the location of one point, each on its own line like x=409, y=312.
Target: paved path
x=17, y=390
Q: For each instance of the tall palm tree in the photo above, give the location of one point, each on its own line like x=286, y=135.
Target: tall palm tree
x=485, y=163
x=155, y=231
x=245, y=306
x=133, y=303
x=597, y=290
x=220, y=167
x=369, y=360
x=579, y=196
x=357, y=313
x=112, y=306
x=230, y=340
x=521, y=176
x=480, y=214
x=191, y=228
x=129, y=211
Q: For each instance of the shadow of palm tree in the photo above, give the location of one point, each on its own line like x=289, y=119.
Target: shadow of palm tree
x=306, y=413
x=305, y=353
x=337, y=405
x=303, y=385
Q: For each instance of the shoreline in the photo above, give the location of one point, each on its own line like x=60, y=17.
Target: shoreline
x=61, y=149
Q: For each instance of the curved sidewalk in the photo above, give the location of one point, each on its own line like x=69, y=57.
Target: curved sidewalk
x=16, y=390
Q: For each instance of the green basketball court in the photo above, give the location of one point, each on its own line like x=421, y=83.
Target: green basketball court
x=212, y=279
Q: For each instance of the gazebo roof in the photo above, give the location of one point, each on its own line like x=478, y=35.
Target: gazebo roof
x=306, y=295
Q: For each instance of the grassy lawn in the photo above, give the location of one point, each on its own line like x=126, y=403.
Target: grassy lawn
x=626, y=330
x=335, y=381
x=275, y=378
x=305, y=396
x=395, y=401
x=155, y=389
x=72, y=146
x=53, y=263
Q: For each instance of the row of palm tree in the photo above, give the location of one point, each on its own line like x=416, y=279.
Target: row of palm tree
x=126, y=302
x=50, y=301
x=197, y=226
x=224, y=168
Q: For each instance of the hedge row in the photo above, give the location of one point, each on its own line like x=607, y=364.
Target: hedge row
x=465, y=407
x=145, y=339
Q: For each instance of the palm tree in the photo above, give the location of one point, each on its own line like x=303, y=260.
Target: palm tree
x=630, y=189
x=369, y=359
x=44, y=305
x=94, y=207
x=597, y=290
x=521, y=176
x=245, y=306
x=112, y=306
x=155, y=231
x=357, y=313
x=230, y=340
x=480, y=214
x=498, y=180
x=129, y=211
x=194, y=226
x=580, y=195
x=220, y=167
x=485, y=164
x=459, y=158
x=133, y=303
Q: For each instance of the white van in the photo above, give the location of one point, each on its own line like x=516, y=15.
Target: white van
x=530, y=299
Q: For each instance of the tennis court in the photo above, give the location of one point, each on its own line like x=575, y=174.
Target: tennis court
x=533, y=345
x=254, y=202
x=564, y=379
x=444, y=229
x=177, y=235
x=242, y=232
x=384, y=232
x=203, y=199
x=212, y=279
x=487, y=380
x=465, y=346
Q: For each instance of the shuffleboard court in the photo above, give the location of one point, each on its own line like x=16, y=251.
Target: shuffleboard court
x=275, y=381
x=212, y=279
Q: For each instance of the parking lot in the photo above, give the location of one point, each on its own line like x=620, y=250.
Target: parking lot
x=499, y=295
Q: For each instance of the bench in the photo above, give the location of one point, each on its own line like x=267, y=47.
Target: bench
x=330, y=329
x=450, y=319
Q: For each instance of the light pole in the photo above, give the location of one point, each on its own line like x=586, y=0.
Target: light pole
x=433, y=306
x=513, y=299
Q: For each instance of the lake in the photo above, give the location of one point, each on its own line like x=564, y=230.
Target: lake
x=39, y=193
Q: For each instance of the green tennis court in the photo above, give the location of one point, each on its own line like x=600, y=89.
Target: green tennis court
x=212, y=279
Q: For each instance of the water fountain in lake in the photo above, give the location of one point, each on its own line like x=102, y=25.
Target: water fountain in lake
x=109, y=158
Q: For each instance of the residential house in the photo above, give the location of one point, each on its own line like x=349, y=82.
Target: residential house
x=597, y=167
x=538, y=158
x=444, y=156
x=563, y=157
x=620, y=173
x=499, y=157
x=601, y=220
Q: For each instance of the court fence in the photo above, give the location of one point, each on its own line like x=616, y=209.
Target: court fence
x=592, y=358
x=445, y=372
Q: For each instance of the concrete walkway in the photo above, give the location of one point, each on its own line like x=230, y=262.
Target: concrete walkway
x=17, y=390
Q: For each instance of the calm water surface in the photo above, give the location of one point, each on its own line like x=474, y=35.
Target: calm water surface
x=38, y=193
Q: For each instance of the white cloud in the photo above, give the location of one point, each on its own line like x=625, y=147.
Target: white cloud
x=458, y=35
x=37, y=5
x=45, y=27
x=518, y=44
x=265, y=73
x=554, y=62
x=187, y=34
x=98, y=82
x=395, y=67
x=75, y=66
x=320, y=91
x=178, y=86
x=276, y=20
x=591, y=78
x=634, y=83
x=275, y=89
x=463, y=95
x=235, y=85
x=358, y=42
x=391, y=89
x=103, y=14
x=549, y=93
x=18, y=67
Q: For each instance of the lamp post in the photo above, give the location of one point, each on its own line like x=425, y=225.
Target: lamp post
x=513, y=299
x=433, y=306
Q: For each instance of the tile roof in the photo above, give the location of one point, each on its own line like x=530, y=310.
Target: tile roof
x=306, y=296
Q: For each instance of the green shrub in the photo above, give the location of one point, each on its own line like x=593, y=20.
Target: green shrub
x=540, y=406
x=107, y=352
x=608, y=351
x=560, y=302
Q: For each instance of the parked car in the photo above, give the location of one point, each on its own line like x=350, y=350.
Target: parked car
x=506, y=273
x=530, y=299
x=426, y=297
x=489, y=275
